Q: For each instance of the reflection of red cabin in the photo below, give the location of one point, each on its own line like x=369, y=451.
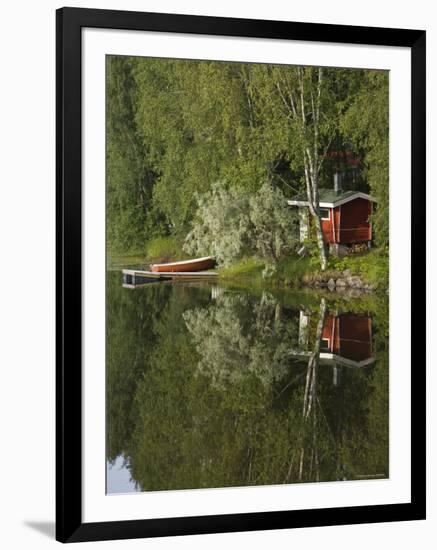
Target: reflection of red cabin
x=348, y=336
x=346, y=339
x=345, y=216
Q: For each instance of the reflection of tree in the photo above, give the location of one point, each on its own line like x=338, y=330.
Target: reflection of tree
x=235, y=338
x=310, y=396
x=131, y=318
x=219, y=399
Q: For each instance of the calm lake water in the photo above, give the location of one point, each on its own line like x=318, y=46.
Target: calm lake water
x=210, y=385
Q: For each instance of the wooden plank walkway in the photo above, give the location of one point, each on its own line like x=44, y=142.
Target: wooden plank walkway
x=132, y=277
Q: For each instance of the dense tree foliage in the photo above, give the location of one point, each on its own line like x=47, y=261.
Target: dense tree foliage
x=175, y=127
x=129, y=176
x=366, y=124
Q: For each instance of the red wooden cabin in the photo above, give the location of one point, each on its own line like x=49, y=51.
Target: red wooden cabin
x=345, y=216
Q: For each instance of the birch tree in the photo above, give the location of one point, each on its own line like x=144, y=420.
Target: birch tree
x=309, y=108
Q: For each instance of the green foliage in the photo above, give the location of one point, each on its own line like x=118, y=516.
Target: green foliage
x=222, y=226
x=129, y=174
x=373, y=266
x=288, y=272
x=175, y=127
x=311, y=249
x=274, y=224
x=164, y=248
x=366, y=124
x=193, y=117
x=247, y=267
x=230, y=223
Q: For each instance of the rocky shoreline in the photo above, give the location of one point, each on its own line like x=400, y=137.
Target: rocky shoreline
x=338, y=281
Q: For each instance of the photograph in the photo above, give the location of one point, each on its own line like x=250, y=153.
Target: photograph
x=247, y=274
x=226, y=212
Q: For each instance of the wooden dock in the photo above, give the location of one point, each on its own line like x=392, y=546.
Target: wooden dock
x=134, y=277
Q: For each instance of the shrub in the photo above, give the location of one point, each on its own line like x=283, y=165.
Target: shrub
x=229, y=223
x=222, y=225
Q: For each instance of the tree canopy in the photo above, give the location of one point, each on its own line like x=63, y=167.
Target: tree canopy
x=176, y=127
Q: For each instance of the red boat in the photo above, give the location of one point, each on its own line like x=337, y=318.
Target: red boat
x=199, y=264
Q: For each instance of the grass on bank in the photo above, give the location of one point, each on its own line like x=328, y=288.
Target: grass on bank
x=165, y=249
x=288, y=272
x=294, y=271
x=245, y=268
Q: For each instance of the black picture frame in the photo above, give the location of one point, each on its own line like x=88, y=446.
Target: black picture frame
x=69, y=525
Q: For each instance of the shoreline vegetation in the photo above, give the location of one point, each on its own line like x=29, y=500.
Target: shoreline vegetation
x=367, y=272
x=202, y=157
x=351, y=276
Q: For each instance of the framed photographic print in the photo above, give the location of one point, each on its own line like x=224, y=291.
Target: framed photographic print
x=240, y=274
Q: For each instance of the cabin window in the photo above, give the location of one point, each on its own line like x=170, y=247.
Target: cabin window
x=324, y=214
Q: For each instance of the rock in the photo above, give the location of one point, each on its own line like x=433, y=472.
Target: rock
x=331, y=284
x=355, y=281
x=347, y=273
x=355, y=292
x=340, y=283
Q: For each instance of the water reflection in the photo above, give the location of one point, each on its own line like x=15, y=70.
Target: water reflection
x=209, y=386
x=346, y=338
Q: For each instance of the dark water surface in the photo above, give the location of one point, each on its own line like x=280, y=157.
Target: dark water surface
x=210, y=385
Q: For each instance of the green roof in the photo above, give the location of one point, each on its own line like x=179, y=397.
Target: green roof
x=330, y=196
